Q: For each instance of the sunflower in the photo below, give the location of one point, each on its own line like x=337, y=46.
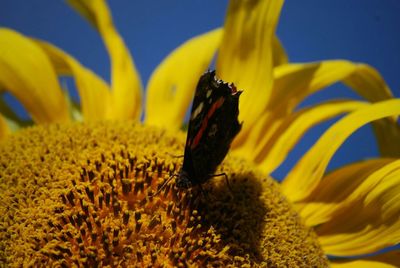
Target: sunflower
x=82, y=193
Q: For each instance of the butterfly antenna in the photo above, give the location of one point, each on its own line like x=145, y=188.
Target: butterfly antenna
x=164, y=185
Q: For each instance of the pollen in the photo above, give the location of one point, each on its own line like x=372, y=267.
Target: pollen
x=103, y=194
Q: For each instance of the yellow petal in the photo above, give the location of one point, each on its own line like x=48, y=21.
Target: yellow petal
x=278, y=52
x=27, y=73
x=370, y=222
x=361, y=264
x=246, y=55
x=171, y=86
x=368, y=219
x=94, y=92
x=307, y=173
x=336, y=189
x=272, y=151
x=387, y=260
x=369, y=83
x=125, y=81
x=387, y=131
x=294, y=82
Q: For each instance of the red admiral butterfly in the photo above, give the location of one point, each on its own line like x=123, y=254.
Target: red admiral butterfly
x=213, y=125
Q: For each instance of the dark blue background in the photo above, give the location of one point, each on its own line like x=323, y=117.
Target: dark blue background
x=311, y=30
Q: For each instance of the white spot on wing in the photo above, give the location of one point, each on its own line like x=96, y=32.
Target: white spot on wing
x=208, y=94
x=197, y=111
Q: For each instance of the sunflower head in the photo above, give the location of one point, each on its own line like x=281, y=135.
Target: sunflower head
x=86, y=197
x=95, y=194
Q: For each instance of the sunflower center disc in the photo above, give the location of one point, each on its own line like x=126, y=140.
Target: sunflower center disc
x=82, y=194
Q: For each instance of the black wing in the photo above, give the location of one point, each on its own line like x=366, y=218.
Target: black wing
x=213, y=125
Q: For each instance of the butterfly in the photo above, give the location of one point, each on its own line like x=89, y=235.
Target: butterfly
x=212, y=126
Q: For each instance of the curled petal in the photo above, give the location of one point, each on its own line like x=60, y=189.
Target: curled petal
x=336, y=189
x=387, y=260
x=387, y=131
x=94, y=92
x=361, y=264
x=246, y=55
x=171, y=86
x=307, y=173
x=272, y=151
x=294, y=82
x=368, y=219
x=125, y=81
x=27, y=73
x=368, y=83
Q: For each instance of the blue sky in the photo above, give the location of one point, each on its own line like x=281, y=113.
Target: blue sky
x=358, y=30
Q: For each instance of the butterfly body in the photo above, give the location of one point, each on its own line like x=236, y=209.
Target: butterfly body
x=213, y=125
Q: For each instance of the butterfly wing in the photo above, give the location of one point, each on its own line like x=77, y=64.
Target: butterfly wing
x=213, y=125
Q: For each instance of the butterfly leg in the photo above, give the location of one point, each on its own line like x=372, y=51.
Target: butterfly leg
x=226, y=179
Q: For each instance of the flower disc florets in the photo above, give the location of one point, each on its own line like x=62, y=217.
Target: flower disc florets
x=84, y=194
